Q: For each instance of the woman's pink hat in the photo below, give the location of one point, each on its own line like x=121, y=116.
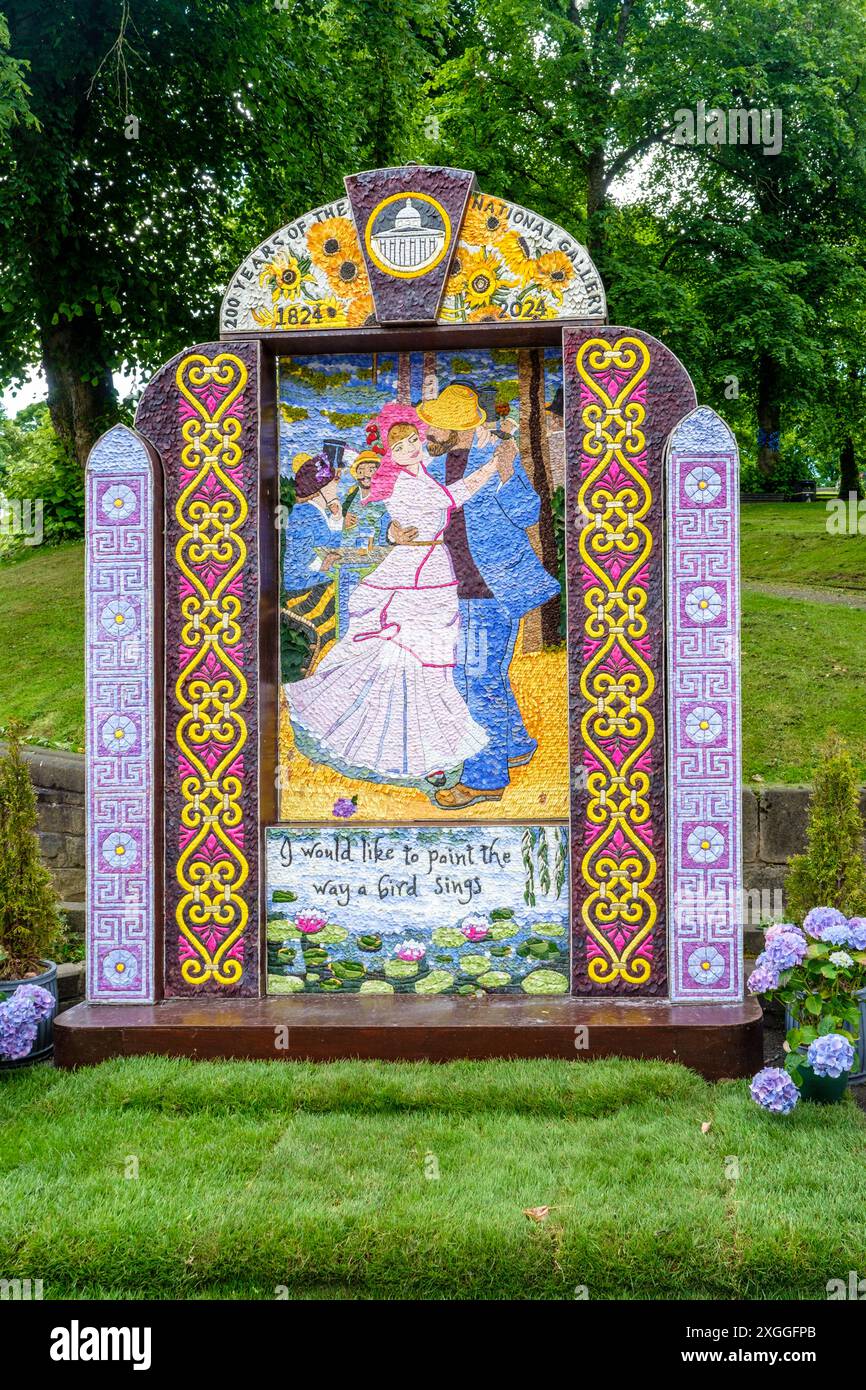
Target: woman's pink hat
x=389, y=469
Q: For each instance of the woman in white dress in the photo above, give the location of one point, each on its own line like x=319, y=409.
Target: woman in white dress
x=383, y=700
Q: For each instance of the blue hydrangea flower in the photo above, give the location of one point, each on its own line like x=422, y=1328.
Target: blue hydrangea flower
x=773, y=1089
x=857, y=933
x=762, y=978
x=785, y=949
x=42, y=1001
x=830, y=1055
x=821, y=919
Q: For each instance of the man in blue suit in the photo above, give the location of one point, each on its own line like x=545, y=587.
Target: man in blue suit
x=499, y=579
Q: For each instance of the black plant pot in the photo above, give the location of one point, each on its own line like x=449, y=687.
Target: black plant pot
x=43, y=1048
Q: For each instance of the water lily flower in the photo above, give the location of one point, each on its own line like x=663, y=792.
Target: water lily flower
x=410, y=950
x=475, y=928
x=310, y=922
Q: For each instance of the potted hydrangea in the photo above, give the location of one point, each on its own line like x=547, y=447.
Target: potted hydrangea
x=29, y=922
x=818, y=972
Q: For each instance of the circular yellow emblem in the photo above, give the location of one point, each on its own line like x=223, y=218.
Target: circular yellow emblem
x=407, y=235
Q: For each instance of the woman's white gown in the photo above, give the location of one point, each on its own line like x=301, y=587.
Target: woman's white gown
x=383, y=699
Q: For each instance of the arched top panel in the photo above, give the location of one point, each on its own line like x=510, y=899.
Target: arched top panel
x=412, y=245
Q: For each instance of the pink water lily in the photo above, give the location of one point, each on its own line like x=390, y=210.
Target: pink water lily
x=410, y=950
x=310, y=922
x=475, y=928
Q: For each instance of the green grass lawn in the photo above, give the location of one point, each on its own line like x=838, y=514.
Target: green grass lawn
x=323, y=1178
x=42, y=643
x=789, y=543
x=804, y=672
x=803, y=667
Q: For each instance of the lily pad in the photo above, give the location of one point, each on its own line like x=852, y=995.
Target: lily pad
x=282, y=930
x=376, y=987
x=401, y=969
x=499, y=914
x=474, y=965
x=313, y=955
x=448, y=936
x=348, y=970
x=466, y=989
x=500, y=931
x=370, y=942
x=548, y=929
x=331, y=985
x=285, y=984
x=435, y=983
x=494, y=979
x=331, y=934
x=544, y=982
x=501, y=950
x=284, y=895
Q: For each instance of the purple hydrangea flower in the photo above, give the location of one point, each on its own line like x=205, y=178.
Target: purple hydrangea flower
x=42, y=1001
x=857, y=933
x=785, y=949
x=344, y=807
x=773, y=1089
x=830, y=1055
x=762, y=978
x=821, y=920
x=19, y=1023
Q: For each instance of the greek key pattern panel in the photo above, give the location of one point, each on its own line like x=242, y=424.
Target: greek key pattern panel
x=704, y=803
x=120, y=686
x=624, y=392
x=201, y=411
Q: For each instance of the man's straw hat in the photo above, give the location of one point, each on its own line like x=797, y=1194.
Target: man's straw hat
x=456, y=408
x=365, y=456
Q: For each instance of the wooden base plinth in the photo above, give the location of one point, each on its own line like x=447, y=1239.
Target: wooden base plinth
x=718, y=1040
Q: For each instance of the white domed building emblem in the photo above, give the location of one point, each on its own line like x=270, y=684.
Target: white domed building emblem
x=408, y=234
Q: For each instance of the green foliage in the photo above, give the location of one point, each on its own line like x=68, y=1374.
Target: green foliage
x=35, y=466
x=30, y=924
x=832, y=872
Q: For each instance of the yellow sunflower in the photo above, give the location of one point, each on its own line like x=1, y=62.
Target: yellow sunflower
x=284, y=274
x=484, y=225
x=487, y=313
x=265, y=318
x=456, y=282
x=330, y=239
x=554, y=272
x=483, y=276
x=359, y=311
x=333, y=312
x=347, y=274
x=517, y=255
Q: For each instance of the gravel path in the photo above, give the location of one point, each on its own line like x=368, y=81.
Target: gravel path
x=843, y=598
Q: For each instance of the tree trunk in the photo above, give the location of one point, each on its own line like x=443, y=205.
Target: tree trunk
x=595, y=200
x=541, y=626
x=82, y=400
x=849, y=475
x=769, y=416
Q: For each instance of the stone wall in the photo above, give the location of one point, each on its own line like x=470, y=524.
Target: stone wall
x=59, y=782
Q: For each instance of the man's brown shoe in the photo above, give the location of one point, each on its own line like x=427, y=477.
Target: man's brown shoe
x=456, y=797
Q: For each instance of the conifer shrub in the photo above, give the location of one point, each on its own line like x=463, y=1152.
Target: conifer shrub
x=30, y=925
x=832, y=872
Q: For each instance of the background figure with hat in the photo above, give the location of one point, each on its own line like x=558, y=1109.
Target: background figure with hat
x=499, y=579
x=364, y=519
x=312, y=540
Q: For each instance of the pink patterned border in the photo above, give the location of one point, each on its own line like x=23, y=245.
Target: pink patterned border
x=704, y=798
